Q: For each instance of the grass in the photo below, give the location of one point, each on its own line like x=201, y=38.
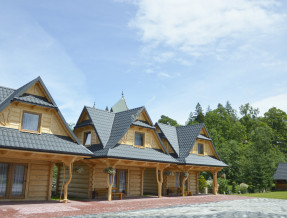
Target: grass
x=274, y=195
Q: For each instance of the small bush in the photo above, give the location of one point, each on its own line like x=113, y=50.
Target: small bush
x=243, y=188
x=223, y=186
x=210, y=185
x=202, y=184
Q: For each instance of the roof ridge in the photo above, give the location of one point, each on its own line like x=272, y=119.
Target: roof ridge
x=94, y=108
x=137, y=108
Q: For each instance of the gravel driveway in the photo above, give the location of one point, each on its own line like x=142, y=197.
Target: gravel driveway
x=257, y=207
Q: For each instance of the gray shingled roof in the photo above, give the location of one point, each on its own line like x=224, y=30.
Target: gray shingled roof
x=281, y=172
x=120, y=106
x=111, y=127
x=203, y=137
x=38, y=100
x=103, y=122
x=170, y=133
x=194, y=159
x=15, y=139
x=5, y=93
x=133, y=153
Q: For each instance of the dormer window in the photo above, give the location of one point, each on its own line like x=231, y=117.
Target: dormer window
x=200, y=149
x=31, y=121
x=139, y=139
x=87, y=138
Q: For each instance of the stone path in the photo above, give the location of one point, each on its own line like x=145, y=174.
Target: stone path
x=196, y=206
x=258, y=207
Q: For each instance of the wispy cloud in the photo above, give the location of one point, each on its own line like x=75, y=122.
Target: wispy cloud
x=164, y=75
x=205, y=27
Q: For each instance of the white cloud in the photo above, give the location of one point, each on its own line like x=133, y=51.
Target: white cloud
x=206, y=26
x=278, y=101
x=165, y=75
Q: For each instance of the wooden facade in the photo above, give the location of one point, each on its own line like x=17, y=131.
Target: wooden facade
x=26, y=167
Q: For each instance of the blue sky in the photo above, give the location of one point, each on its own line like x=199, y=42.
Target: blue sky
x=167, y=55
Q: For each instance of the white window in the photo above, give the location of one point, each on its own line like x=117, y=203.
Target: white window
x=31, y=121
x=139, y=139
x=87, y=138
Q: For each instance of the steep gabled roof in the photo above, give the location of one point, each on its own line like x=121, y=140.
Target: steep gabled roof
x=111, y=127
x=281, y=172
x=10, y=95
x=182, y=138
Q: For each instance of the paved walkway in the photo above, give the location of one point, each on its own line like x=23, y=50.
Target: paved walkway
x=96, y=208
x=255, y=208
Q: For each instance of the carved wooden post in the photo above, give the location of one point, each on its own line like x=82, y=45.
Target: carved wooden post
x=182, y=183
x=159, y=181
x=70, y=166
x=215, y=183
x=110, y=185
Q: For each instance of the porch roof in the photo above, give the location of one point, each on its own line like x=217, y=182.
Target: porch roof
x=194, y=159
x=15, y=139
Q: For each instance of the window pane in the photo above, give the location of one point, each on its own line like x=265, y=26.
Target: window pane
x=87, y=138
x=3, y=178
x=122, y=187
x=200, y=148
x=139, y=139
x=18, y=180
x=30, y=121
x=178, y=180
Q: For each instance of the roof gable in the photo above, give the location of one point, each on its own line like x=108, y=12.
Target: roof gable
x=23, y=94
x=171, y=136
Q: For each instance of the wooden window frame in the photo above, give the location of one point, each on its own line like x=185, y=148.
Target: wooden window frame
x=117, y=188
x=85, y=133
x=8, y=194
x=202, y=149
x=139, y=146
x=39, y=122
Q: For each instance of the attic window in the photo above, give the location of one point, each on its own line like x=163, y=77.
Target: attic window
x=31, y=121
x=200, y=148
x=139, y=139
x=87, y=138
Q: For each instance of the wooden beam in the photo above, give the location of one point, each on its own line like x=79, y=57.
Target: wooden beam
x=215, y=186
x=68, y=182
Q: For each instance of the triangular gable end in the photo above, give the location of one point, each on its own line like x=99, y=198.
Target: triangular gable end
x=38, y=90
x=143, y=116
x=43, y=89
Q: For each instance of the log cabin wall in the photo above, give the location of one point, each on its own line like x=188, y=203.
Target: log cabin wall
x=171, y=184
x=192, y=183
x=11, y=117
x=79, y=185
x=150, y=183
x=167, y=146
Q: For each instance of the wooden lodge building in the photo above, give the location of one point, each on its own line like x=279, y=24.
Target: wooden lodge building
x=110, y=154
x=280, y=177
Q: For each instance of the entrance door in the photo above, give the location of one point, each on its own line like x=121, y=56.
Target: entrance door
x=12, y=180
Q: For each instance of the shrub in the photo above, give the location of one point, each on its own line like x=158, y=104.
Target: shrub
x=223, y=186
x=243, y=188
x=202, y=184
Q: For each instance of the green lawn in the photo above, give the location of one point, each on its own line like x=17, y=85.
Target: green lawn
x=274, y=195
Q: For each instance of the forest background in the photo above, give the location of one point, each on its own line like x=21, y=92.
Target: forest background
x=250, y=144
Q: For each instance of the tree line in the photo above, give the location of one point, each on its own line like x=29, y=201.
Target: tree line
x=250, y=144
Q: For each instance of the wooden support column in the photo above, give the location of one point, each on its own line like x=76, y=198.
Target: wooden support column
x=69, y=163
x=197, y=188
x=110, y=185
x=92, y=179
x=159, y=181
x=50, y=181
x=182, y=184
x=142, y=180
x=215, y=182
x=58, y=178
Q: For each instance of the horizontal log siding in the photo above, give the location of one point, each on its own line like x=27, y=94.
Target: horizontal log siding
x=150, y=183
x=38, y=182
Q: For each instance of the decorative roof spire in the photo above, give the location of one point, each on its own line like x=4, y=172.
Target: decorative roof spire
x=94, y=106
x=122, y=94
